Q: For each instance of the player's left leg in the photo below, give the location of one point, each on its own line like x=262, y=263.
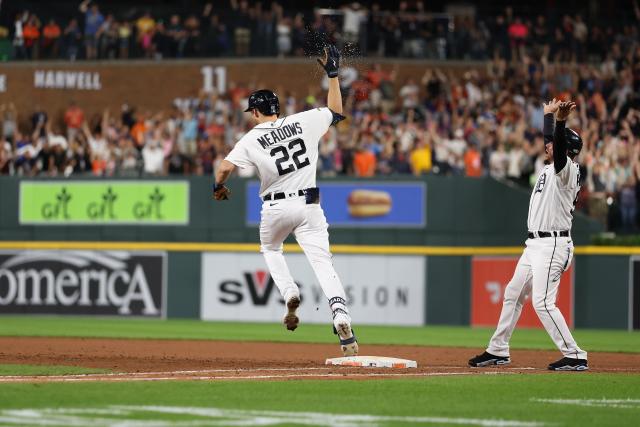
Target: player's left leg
x=274, y=228
x=313, y=236
x=551, y=258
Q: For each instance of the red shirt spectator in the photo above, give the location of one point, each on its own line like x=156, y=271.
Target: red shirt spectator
x=74, y=117
x=518, y=31
x=472, y=162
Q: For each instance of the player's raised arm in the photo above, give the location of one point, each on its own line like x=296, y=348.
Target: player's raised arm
x=560, y=144
x=549, y=109
x=331, y=64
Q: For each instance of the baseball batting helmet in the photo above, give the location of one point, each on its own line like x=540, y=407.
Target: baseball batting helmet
x=574, y=142
x=264, y=101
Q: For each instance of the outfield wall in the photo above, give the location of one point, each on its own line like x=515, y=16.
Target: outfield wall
x=386, y=285
x=442, y=254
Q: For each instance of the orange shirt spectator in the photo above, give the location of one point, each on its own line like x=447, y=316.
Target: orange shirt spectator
x=51, y=32
x=137, y=132
x=74, y=117
x=472, y=163
x=364, y=163
x=31, y=34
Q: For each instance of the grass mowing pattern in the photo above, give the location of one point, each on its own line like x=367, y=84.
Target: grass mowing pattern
x=15, y=369
x=510, y=397
x=449, y=336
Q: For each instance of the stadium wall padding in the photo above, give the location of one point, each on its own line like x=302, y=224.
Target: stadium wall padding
x=477, y=213
x=459, y=211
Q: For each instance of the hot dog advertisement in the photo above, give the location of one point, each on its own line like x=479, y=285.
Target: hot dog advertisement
x=360, y=203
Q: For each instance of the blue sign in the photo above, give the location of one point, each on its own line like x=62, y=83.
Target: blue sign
x=360, y=204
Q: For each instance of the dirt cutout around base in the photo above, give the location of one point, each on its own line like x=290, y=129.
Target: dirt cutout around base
x=131, y=359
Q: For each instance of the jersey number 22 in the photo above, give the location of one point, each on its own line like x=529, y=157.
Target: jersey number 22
x=282, y=156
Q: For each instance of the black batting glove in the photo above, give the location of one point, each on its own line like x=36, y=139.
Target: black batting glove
x=331, y=61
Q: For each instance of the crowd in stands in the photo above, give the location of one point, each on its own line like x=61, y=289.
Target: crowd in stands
x=482, y=122
x=386, y=29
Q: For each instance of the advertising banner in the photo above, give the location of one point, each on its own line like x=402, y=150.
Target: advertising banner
x=366, y=204
x=102, y=283
x=489, y=278
x=385, y=290
x=634, y=293
x=104, y=202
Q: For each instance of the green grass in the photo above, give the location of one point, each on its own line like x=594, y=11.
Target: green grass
x=506, y=397
x=592, y=340
x=15, y=369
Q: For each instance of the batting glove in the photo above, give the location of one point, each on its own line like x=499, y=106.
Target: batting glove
x=331, y=61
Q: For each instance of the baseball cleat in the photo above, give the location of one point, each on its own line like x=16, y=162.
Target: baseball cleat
x=291, y=318
x=488, y=359
x=569, y=364
x=348, y=341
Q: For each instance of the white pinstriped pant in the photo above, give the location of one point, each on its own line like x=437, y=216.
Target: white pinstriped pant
x=538, y=272
x=307, y=222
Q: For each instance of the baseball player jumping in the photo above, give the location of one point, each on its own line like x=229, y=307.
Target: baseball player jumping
x=284, y=150
x=549, y=249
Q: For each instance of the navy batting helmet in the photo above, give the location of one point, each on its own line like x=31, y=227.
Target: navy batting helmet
x=574, y=142
x=264, y=101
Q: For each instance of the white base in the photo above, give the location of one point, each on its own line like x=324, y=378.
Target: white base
x=372, y=362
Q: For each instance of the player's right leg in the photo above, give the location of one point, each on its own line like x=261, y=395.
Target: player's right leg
x=274, y=228
x=497, y=353
x=313, y=236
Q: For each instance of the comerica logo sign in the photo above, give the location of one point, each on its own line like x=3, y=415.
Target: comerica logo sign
x=82, y=282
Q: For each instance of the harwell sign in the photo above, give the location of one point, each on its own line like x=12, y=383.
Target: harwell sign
x=83, y=282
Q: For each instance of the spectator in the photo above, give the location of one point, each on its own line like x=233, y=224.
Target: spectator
x=153, y=158
x=241, y=23
x=93, y=20
x=31, y=35
x=421, y=158
x=74, y=119
x=9, y=116
x=353, y=16
x=72, y=40
x=364, y=162
x=472, y=161
x=18, y=36
x=6, y=161
x=518, y=34
x=177, y=36
x=51, y=34
x=107, y=37
x=177, y=163
x=124, y=39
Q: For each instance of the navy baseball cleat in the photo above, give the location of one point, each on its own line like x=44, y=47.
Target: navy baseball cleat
x=569, y=364
x=488, y=359
x=291, y=318
x=348, y=340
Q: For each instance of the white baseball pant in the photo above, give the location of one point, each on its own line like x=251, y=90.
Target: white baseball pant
x=307, y=222
x=538, y=272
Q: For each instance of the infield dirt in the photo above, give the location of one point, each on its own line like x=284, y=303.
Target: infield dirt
x=162, y=359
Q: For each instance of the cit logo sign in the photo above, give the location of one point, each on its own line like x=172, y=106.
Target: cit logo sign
x=58, y=208
x=150, y=209
x=104, y=209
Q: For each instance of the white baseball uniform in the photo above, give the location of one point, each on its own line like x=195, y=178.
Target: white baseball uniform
x=285, y=154
x=543, y=261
